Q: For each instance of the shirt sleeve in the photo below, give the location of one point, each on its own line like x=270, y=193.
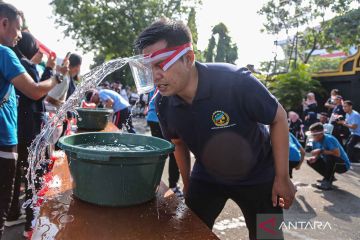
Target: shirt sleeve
x=295, y=141
x=10, y=65
x=260, y=105
x=331, y=144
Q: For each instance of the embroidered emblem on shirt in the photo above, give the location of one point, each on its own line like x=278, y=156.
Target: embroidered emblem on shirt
x=220, y=118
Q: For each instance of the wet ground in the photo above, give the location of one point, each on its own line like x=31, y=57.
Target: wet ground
x=337, y=210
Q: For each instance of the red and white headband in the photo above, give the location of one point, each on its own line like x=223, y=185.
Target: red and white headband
x=169, y=55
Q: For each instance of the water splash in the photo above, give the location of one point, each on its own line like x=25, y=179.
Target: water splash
x=38, y=147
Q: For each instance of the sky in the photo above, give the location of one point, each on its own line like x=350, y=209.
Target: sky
x=240, y=17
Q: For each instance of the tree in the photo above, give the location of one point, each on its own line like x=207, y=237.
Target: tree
x=226, y=51
x=290, y=88
x=297, y=17
x=110, y=26
x=192, y=26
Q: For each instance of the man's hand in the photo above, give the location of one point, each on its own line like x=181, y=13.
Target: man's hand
x=311, y=159
x=51, y=62
x=341, y=122
x=283, y=189
x=316, y=152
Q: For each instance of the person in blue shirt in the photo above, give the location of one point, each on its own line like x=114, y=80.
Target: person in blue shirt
x=218, y=112
x=155, y=129
x=296, y=154
x=352, y=122
x=121, y=107
x=31, y=115
x=327, y=156
x=12, y=75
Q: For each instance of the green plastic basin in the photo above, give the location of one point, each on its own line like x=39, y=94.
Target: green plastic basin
x=93, y=119
x=115, y=178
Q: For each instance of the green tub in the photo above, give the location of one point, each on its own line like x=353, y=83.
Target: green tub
x=115, y=178
x=93, y=119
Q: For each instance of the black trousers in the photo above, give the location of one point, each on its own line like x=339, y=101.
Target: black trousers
x=123, y=117
x=292, y=165
x=207, y=200
x=350, y=147
x=7, y=176
x=328, y=165
x=173, y=170
x=22, y=168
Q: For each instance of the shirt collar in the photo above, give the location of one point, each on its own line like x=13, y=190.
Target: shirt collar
x=203, y=89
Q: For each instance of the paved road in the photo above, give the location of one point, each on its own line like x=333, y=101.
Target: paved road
x=338, y=210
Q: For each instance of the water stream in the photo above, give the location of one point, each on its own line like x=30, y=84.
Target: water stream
x=39, y=145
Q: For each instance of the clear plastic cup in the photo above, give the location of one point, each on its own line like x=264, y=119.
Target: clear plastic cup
x=142, y=73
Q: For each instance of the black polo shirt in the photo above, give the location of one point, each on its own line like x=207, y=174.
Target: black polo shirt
x=224, y=125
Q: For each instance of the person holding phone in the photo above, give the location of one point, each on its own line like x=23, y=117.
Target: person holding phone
x=57, y=96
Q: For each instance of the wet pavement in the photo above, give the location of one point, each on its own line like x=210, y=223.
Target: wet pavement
x=338, y=210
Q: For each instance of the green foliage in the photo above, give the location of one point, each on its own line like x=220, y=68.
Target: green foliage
x=110, y=27
x=344, y=31
x=209, y=52
x=192, y=26
x=226, y=51
x=289, y=16
x=290, y=88
x=319, y=64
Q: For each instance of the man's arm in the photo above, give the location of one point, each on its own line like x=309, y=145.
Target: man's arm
x=283, y=187
x=348, y=125
x=182, y=156
x=302, y=153
x=25, y=84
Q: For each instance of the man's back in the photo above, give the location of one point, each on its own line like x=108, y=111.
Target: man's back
x=119, y=102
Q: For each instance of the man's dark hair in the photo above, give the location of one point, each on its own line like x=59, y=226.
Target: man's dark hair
x=324, y=114
x=175, y=33
x=9, y=11
x=88, y=95
x=348, y=102
x=316, y=127
x=336, y=91
x=74, y=60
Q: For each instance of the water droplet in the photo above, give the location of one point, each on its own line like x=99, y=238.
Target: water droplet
x=66, y=219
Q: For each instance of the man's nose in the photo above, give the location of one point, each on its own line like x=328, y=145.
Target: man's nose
x=157, y=75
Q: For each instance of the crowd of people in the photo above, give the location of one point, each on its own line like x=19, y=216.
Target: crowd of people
x=30, y=91
x=332, y=137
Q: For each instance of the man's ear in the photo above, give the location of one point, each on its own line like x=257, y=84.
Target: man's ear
x=4, y=22
x=190, y=57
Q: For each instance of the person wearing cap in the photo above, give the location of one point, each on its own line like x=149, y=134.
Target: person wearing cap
x=352, y=122
x=327, y=156
x=111, y=99
x=218, y=112
x=12, y=75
